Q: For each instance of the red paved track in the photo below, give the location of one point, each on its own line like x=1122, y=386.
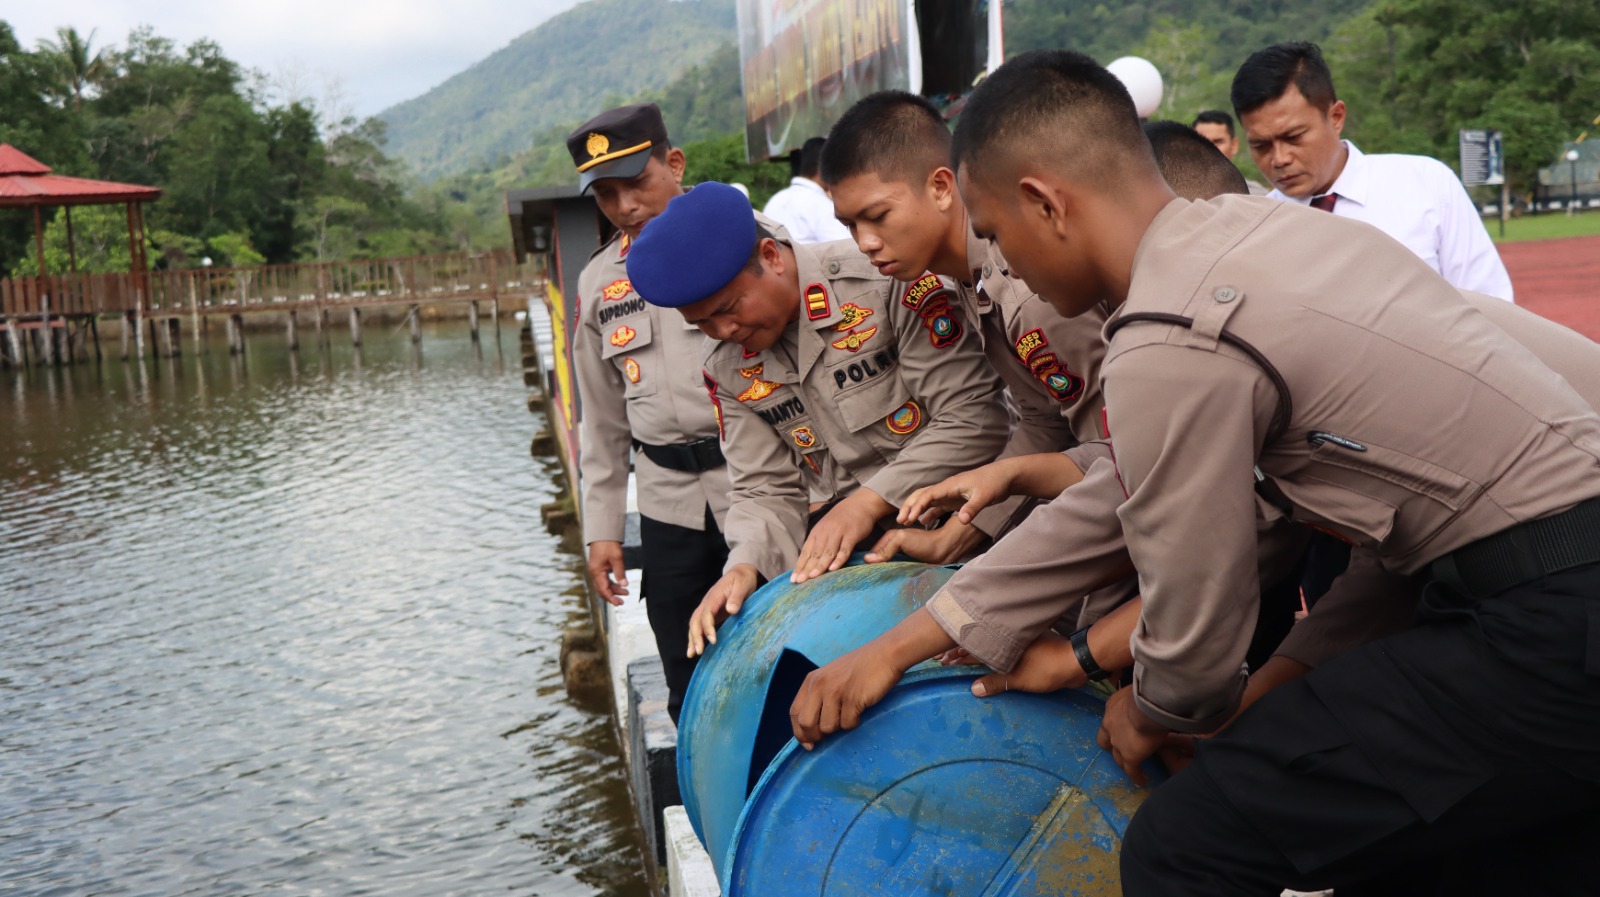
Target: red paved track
x=1559, y=279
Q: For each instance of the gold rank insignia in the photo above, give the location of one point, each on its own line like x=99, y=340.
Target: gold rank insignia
x=623, y=335
x=853, y=341
x=904, y=419
x=616, y=289
x=598, y=144
x=853, y=315
x=631, y=368
x=816, y=302
x=758, y=388
x=804, y=438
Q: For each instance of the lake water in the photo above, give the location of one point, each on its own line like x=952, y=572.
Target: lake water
x=290, y=625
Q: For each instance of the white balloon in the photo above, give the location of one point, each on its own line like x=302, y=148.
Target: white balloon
x=1142, y=80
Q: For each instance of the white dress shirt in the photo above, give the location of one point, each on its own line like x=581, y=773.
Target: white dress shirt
x=1420, y=202
x=805, y=209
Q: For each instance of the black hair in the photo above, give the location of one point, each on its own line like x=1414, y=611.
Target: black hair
x=1267, y=74
x=896, y=135
x=1214, y=117
x=1055, y=105
x=1192, y=165
x=811, y=157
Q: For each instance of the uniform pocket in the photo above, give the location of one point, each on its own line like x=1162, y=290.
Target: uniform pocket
x=1411, y=474
x=873, y=402
x=627, y=335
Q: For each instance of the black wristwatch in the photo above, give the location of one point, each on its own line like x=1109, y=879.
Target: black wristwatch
x=1080, y=647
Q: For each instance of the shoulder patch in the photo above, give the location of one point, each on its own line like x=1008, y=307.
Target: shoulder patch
x=716, y=403
x=925, y=286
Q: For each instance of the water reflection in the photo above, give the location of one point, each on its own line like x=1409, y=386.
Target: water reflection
x=278, y=626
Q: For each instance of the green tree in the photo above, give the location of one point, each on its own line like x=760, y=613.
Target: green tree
x=75, y=65
x=99, y=243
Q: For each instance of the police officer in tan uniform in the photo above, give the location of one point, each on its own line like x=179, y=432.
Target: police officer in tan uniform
x=831, y=380
x=638, y=378
x=1376, y=403
x=887, y=166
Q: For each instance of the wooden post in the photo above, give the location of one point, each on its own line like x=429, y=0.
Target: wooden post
x=46, y=345
x=175, y=336
x=14, y=340
x=472, y=318
x=294, y=331
x=494, y=309
x=94, y=334
x=235, y=324
x=355, y=326
x=414, y=317
x=127, y=325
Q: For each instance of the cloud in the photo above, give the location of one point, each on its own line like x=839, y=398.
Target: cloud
x=377, y=54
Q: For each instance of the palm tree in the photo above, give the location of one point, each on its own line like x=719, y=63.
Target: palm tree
x=76, y=66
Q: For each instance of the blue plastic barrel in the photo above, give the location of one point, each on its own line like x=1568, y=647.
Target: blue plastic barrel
x=941, y=793
x=937, y=792
x=735, y=715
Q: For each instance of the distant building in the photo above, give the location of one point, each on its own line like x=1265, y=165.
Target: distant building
x=1556, y=182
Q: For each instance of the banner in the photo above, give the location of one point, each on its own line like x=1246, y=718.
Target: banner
x=804, y=62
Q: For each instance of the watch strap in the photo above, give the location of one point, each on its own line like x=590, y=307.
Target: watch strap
x=1080, y=647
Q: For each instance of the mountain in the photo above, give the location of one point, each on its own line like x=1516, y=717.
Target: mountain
x=597, y=54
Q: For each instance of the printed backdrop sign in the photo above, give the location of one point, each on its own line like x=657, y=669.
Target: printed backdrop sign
x=806, y=61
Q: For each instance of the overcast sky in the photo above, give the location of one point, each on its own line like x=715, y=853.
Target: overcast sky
x=361, y=54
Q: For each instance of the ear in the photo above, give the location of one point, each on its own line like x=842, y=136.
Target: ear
x=1043, y=206
x=942, y=188
x=771, y=255
x=1336, y=116
x=676, y=163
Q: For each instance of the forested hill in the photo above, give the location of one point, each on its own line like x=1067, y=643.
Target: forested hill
x=600, y=53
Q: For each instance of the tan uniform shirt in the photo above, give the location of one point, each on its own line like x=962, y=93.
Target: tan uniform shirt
x=1368, y=602
x=638, y=370
x=1050, y=366
x=1416, y=426
x=878, y=384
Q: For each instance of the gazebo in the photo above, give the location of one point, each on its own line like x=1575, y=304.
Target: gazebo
x=25, y=182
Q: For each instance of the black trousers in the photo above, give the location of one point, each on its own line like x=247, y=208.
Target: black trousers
x=680, y=566
x=1459, y=757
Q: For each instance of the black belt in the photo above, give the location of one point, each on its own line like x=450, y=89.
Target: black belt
x=698, y=456
x=1524, y=553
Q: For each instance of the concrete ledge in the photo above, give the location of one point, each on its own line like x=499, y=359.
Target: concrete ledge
x=653, y=750
x=689, y=869
x=628, y=638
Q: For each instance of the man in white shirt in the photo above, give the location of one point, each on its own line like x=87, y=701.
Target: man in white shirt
x=804, y=207
x=1285, y=100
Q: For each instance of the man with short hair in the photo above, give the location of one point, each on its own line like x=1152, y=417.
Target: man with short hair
x=803, y=207
x=1292, y=120
x=829, y=380
x=886, y=163
x=1190, y=163
x=637, y=375
x=1217, y=127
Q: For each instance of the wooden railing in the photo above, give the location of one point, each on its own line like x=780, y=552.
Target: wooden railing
x=368, y=282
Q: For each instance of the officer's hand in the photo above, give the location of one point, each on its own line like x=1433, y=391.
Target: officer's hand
x=833, y=538
x=945, y=545
x=606, y=571
x=834, y=697
x=1177, y=752
x=1046, y=665
x=965, y=494
x=958, y=656
x=725, y=597
x=1129, y=735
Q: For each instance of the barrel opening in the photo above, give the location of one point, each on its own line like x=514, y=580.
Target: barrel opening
x=788, y=675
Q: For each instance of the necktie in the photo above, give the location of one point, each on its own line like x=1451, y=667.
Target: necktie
x=1324, y=202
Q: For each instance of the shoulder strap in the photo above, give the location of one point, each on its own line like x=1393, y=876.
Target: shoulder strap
x=1280, y=417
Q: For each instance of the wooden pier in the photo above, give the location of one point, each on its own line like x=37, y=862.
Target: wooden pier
x=56, y=319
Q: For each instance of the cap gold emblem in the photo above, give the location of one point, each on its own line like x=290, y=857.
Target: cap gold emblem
x=598, y=144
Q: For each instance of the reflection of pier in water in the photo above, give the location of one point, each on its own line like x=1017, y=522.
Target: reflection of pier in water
x=55, y=319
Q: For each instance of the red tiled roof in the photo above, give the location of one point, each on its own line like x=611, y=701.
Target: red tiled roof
x=25, y=181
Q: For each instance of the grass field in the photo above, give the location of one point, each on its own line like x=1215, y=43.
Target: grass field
x=1546, y=226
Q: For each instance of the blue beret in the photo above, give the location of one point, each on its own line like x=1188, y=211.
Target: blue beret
x=693, y=248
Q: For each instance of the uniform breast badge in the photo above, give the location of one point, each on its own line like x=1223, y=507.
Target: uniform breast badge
x=623, y=335
x=616, y=289
x=631, y=368
x=853, y=339
x=803, y=437
x=758, y=388
x=904, y=419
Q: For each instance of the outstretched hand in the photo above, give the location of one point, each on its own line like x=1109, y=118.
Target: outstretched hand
x=725, y=597
x=964, y=494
